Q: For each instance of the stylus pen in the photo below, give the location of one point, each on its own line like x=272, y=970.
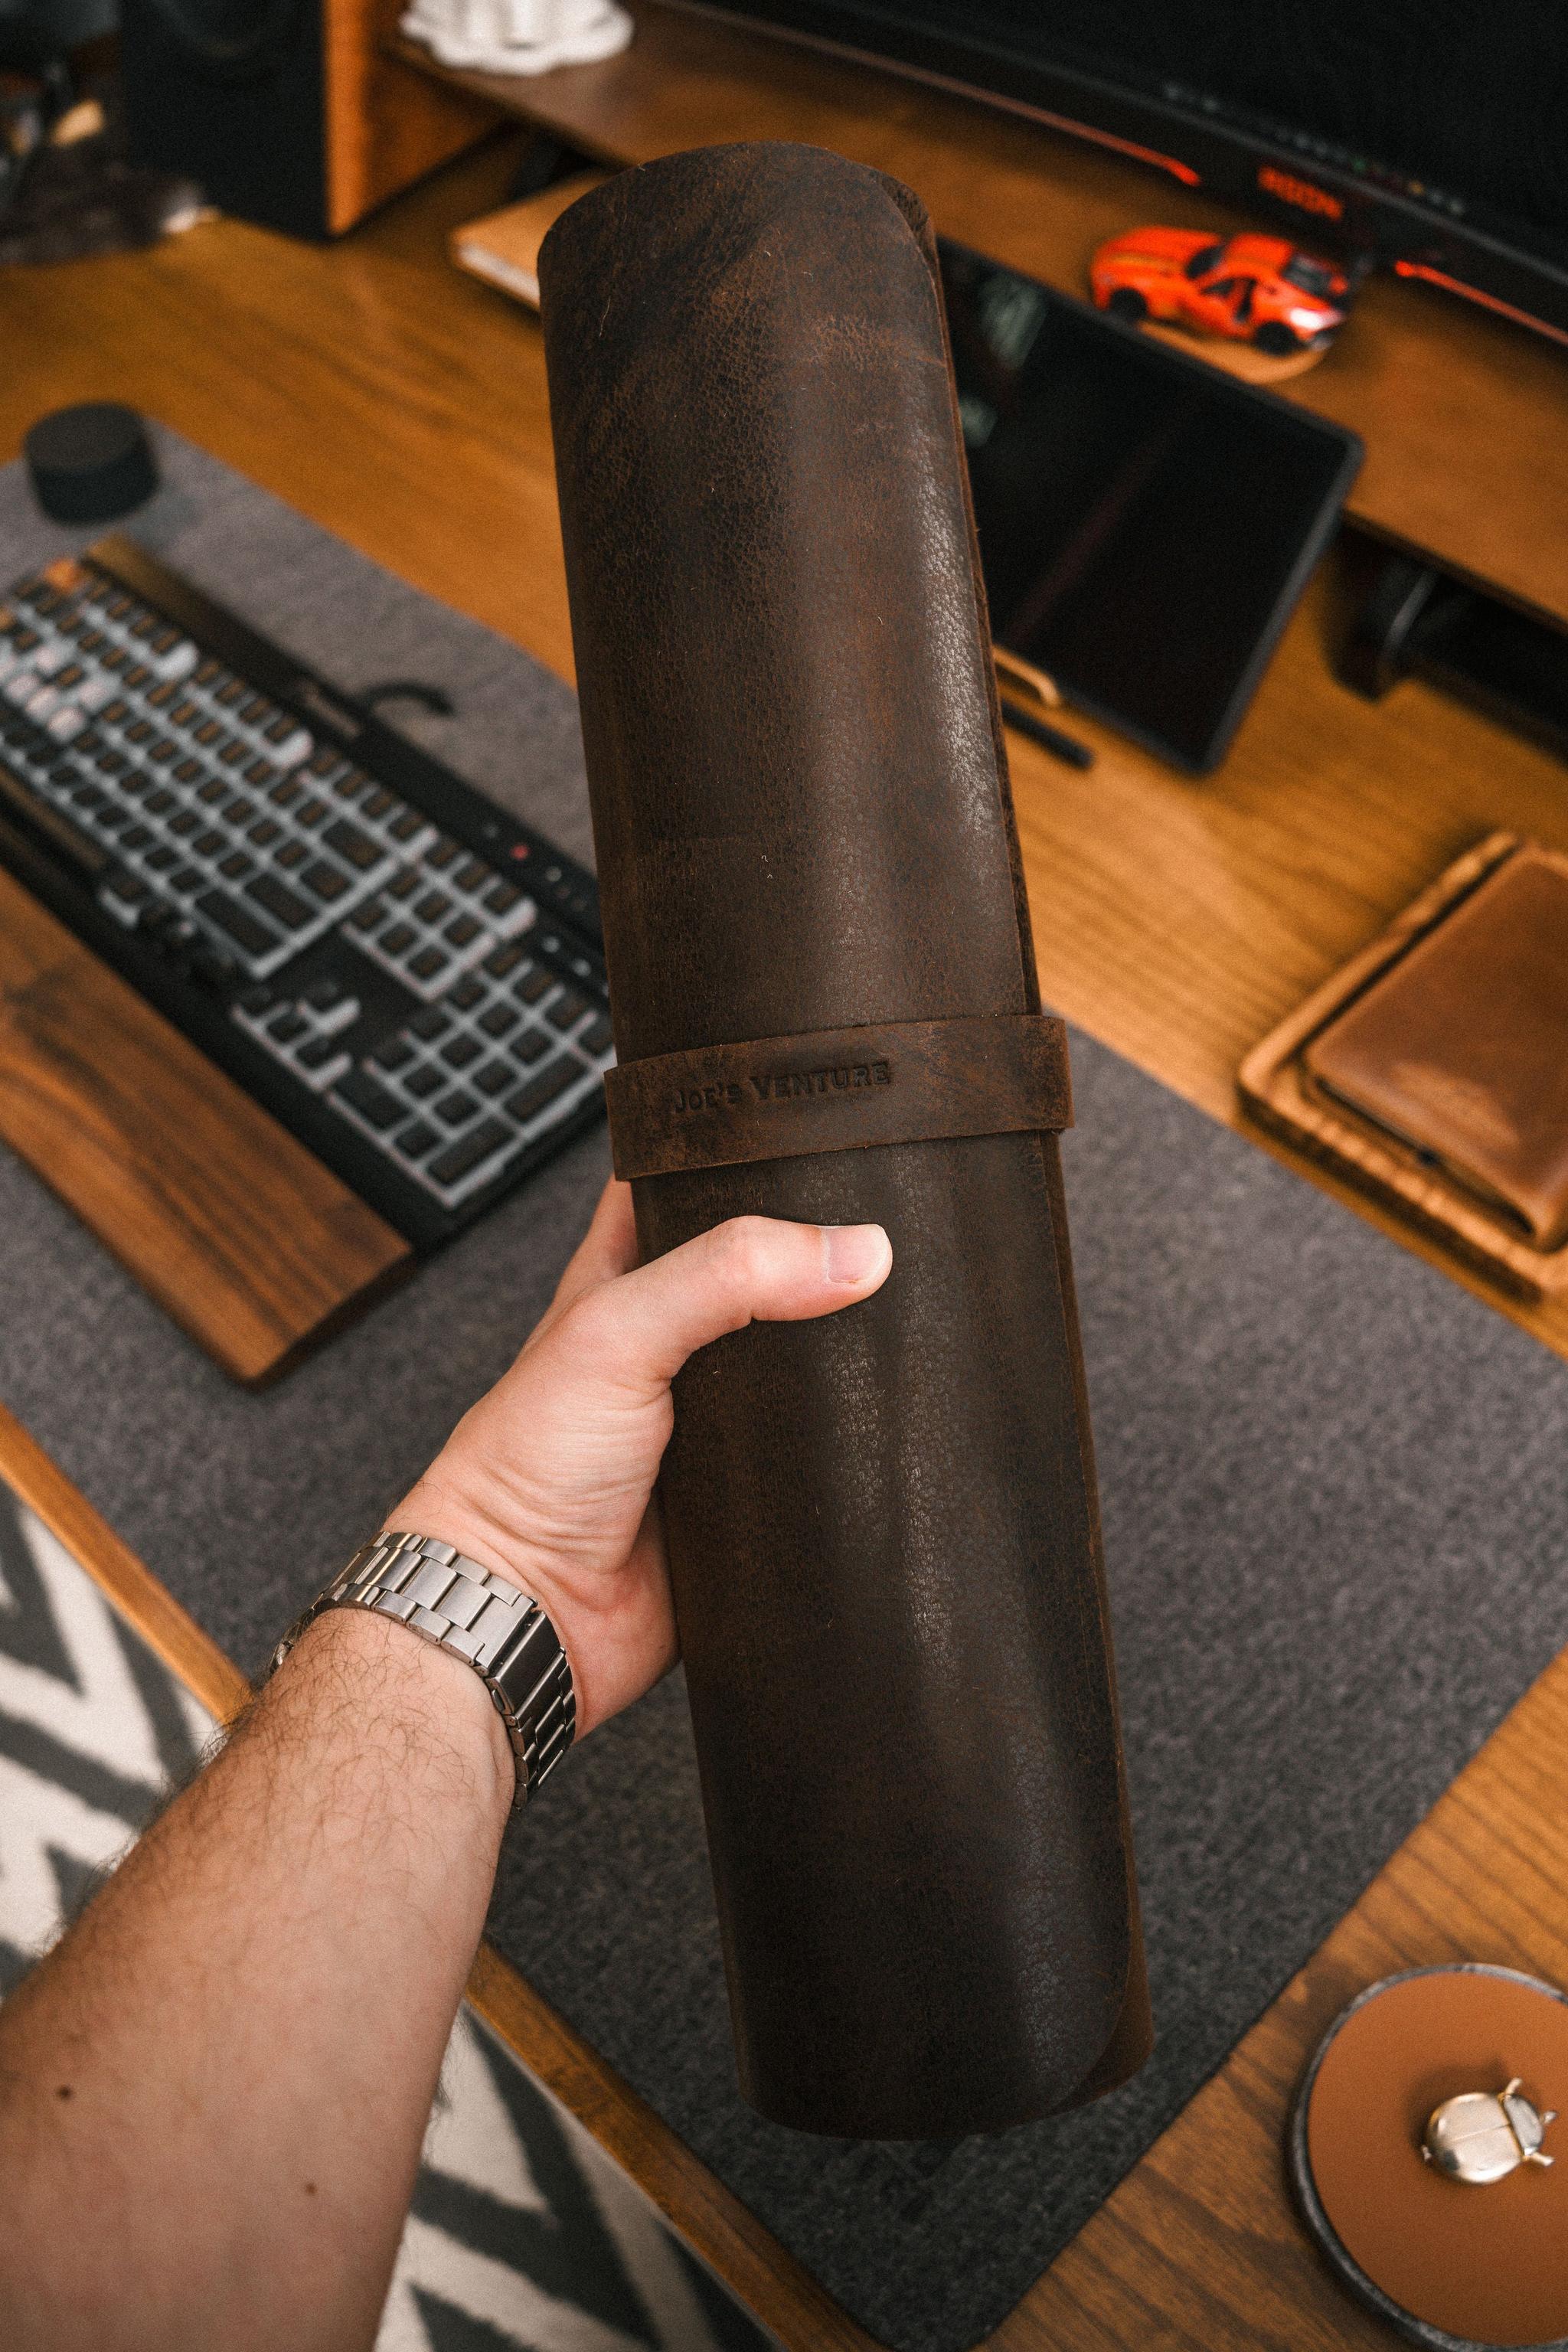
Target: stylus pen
x=1049, y=738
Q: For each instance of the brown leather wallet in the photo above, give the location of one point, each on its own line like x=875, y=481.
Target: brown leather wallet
x=882, y=1526
x=1460, y=1049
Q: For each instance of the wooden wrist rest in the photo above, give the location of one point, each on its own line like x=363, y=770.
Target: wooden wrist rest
x=255, y=1248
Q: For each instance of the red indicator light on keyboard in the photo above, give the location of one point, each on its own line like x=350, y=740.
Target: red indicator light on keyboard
x=520, y=850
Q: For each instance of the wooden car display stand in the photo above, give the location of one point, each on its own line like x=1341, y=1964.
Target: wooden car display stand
x=1178, y=923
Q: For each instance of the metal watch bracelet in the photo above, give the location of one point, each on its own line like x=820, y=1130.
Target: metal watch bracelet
x=504, y=1635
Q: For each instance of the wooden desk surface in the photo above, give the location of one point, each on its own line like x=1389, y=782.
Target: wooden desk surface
x=403, y=405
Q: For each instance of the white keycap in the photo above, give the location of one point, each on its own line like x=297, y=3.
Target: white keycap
x=51, y=657
x=67, y=722
x=516, y=920
x=40, y=704
x=20, y=685
x=292, y=750
x=94, y=692
x=179, y=661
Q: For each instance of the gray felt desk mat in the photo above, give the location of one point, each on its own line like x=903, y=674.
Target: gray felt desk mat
x=1335, y=1492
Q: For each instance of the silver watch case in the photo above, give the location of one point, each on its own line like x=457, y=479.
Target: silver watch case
x=502, y=1632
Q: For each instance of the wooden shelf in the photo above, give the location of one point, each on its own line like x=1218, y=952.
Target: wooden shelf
x=1465, y=417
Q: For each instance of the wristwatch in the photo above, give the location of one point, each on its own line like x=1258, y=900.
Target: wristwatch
x=504, y=1634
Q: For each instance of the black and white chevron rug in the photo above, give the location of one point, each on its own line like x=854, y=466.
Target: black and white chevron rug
x=523, y=2232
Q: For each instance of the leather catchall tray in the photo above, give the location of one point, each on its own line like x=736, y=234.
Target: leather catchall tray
x=1432, y=1070
x=883, y=1527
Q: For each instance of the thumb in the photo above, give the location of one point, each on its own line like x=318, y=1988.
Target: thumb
x=639, y=1330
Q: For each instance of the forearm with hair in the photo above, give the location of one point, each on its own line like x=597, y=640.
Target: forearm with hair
x=213, y=2092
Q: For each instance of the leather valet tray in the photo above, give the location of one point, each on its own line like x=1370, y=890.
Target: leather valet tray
x=1278, y=1089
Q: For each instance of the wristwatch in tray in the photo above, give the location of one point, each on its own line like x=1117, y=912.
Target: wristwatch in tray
x=505, y=1636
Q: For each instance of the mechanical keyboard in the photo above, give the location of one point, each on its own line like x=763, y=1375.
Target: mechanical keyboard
x=409, y=979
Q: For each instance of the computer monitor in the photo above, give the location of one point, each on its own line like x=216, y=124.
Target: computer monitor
x=1425, y=139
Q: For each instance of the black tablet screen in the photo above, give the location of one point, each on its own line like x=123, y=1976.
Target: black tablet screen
x=1145, y=522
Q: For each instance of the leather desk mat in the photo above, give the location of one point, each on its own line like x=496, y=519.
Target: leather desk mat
x=1335, y=1491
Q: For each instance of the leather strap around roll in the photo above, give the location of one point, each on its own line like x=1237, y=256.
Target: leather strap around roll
x=838, y=1090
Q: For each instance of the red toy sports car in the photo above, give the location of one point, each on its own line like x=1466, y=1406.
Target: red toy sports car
x=1254, y=290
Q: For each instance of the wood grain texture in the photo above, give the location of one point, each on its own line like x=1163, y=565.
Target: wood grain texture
x=240, y=1234
x=403, y=405
x=387, y=124
x=1411, y=374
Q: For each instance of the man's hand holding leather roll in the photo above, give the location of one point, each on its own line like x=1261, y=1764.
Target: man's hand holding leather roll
x=548, y=1478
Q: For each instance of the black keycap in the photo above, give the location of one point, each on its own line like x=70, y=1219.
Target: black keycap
x=240, y=924
x=156, y=802
x=235, y=867
x=441, y=856
x=137, y=838
x=567, y=1008
x=497, y=1020
x=531, y=1099
x=427, y=1080
x=260, y=773
x=467, y=993
x=431, y=1023
x=432, y=906
x=282, y=727
x=311, y=814
x=348, y=784
x=188, y=878
x=597, y=1037
x=160, y=860
x=393, y=1054
x=89, y=797
x=318, y=1050
x=256, y=1000
x=110, y=820
x=286, y=1027
x=214, y=789
x=401, y=936
x=502, y=960
x=354, y=847
x=403, y=885
x=469, y=875
x=292, y=854
x=322, y=762
x=461, y=931
x=265, y=833
x=366, y=918
x=268, y=892
x=531, y=1046
x=240, y=811
x=457, y=1108
x=405, y=828
x=427, y=963
x=251, y=711
x=125, y=890
x=185, y=824
x=502, y=898
x=322, y=994
x=380, y=801
x=187, y=771
x=208, y=845
x=455, y=1162
x=532, y=984
x=461, y=1051
x=324, y=880
x=416, y=1141
x=283, y=794
x=493, y=1079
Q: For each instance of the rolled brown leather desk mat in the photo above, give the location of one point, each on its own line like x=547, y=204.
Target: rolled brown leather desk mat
x=883, y=1527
